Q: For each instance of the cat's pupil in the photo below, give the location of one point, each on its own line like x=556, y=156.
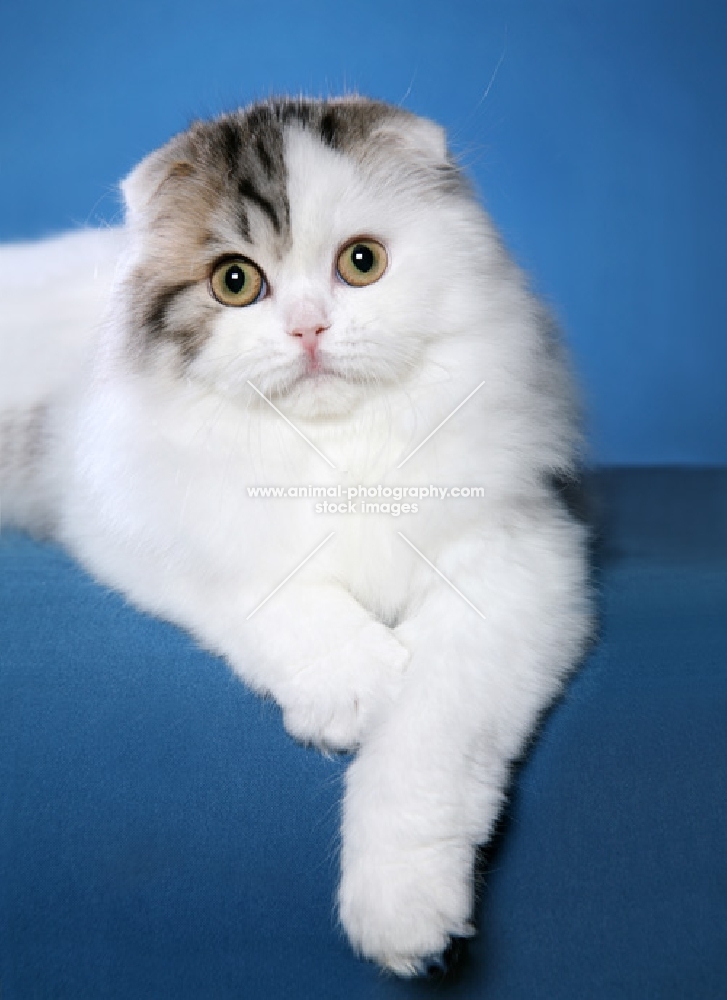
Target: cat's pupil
x=235, y=279
x=362, y=258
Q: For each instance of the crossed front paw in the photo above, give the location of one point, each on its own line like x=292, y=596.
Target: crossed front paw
x=331, y=701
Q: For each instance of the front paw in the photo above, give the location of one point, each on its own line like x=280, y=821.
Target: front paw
x=332, y=701
x=404, y=908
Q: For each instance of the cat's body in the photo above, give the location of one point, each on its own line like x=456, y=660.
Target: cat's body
x=139, y=452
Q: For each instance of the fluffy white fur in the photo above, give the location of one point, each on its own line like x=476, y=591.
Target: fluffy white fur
x=146, y=478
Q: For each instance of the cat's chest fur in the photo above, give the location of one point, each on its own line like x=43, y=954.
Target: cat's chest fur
x=239, y=496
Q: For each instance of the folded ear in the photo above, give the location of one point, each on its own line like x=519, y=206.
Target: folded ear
x=421, y=138
x=364, y=120
x=426, y=136
x=143, y=183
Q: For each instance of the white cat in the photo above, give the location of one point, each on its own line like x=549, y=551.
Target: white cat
x=302, y=293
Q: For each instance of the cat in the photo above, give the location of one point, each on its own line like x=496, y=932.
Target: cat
x=308, y=292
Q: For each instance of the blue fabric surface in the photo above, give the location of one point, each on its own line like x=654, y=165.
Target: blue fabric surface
x=162, y=837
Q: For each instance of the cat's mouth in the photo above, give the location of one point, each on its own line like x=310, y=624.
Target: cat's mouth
x=315, y=367
x=322, y=387
x=319, y=385
x=318, y=370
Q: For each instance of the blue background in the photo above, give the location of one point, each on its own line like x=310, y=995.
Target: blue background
x=600, y=148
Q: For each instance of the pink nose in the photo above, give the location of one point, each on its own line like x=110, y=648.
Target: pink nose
x=308, y=337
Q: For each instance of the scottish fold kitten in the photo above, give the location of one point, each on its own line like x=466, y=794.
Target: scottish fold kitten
x=307, y=293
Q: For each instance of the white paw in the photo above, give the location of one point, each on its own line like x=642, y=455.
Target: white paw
x=332, y=701
x=402, y=907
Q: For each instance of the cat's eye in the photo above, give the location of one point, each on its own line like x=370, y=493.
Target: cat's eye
x=361, y=262
x=236, y=281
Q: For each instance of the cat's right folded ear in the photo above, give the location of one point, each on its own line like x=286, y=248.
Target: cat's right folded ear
x=144, y=182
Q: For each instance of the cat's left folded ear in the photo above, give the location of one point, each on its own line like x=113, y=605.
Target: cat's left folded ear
x=419, y=136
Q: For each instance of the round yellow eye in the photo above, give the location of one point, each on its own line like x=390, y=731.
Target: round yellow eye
x=236, y=281
x=361, y=262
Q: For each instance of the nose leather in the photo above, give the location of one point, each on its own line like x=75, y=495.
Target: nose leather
x=309, y=338
x=307, y=320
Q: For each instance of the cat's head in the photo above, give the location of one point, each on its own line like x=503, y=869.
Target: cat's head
x=316, y=249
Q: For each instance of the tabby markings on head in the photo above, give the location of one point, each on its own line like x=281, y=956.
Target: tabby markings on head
x=234, y=165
